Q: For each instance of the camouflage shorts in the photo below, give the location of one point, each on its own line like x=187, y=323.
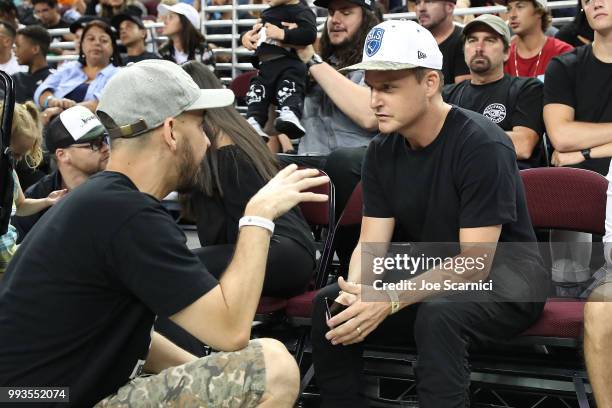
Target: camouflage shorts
x=223, y=380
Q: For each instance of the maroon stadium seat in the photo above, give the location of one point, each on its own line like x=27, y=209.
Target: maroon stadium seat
x=560, y=319
x=317, y=214
x=240, y=84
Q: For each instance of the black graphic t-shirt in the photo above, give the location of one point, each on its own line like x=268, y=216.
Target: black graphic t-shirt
x=508, y=102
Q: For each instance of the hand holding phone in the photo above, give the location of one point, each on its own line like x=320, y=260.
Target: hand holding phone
x=332, y=308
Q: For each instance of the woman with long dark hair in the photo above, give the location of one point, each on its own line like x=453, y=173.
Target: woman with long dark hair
x=237, y=164
x=185, y=41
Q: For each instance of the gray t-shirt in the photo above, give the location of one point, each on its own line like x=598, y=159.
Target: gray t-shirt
x=327, y=127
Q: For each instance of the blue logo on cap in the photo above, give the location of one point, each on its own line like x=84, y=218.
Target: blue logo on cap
x=374, y=41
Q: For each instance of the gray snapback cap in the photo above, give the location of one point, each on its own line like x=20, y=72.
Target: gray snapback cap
x=142, y=96
x=495, y=23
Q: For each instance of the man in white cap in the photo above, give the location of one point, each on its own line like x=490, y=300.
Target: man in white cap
x=513, y=103
x=531, y=49
x=93, y=275
x=435, y=174
x=77, y=144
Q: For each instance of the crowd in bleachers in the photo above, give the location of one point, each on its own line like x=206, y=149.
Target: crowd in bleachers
x=429, y=125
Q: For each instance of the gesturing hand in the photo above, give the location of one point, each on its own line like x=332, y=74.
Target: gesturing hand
x=285, y=191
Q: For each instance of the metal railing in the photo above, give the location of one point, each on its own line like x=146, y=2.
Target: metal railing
x=236, y=50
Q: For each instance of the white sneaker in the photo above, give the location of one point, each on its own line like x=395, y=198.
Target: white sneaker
x=255, y=125
x=289, y=124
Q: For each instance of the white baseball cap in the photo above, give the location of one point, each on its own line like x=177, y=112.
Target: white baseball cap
x=183, y=9
x=143, y=95
x=74, y=125
x=399, y=44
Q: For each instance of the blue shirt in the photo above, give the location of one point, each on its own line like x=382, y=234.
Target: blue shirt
x=69, y=76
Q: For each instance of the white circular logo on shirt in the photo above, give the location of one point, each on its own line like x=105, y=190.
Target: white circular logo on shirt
x=496, y=112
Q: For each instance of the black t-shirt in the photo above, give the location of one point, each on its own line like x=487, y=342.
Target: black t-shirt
x=508, y=102
x=217, y=218
x=578, y=79
x=466, y=178
x=137, y=58
x=453, y=63
x=26, y=83
x=60, y=24
x=78, y=300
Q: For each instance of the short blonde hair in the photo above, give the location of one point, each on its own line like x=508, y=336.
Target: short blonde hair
x=26, y=124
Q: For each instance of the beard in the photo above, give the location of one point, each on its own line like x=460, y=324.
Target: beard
x=480, y=67
x=189, y=169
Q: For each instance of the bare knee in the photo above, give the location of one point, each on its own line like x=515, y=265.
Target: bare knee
x=598, y=323
x=282, y=374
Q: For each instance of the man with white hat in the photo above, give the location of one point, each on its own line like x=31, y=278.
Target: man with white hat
x=77, y=144
x=513, y=103
x=436, y=174
x=531, y=49
x=96, y=271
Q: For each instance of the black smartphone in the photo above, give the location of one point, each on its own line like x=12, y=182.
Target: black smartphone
x=333, y=308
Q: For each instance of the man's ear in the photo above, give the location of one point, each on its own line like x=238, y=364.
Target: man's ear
x=62, y=156
x=432, y=82
x=168, y=133
x=506, y=55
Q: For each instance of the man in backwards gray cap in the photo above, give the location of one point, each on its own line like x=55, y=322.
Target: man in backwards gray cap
x=94, y=273
x=435, y=174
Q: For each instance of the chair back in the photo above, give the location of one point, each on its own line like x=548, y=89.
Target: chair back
x=566, y=198
x=321, y=215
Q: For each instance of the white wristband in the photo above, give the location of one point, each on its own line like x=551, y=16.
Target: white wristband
x=257, y=222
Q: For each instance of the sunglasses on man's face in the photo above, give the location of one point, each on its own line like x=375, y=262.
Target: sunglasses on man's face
x=94, y=145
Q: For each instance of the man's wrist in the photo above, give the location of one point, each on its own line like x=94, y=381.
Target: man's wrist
x=256, y=210
x=256, y=221
x=46, y=101
x=586, y=153
x=394, y=301
x=315, y=59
